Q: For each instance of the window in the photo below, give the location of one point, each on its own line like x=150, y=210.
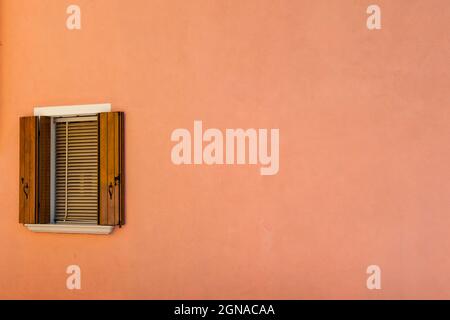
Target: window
x=71, y=170
x=76, y=172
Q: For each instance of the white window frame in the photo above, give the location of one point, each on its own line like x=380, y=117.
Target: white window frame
x=60, y=111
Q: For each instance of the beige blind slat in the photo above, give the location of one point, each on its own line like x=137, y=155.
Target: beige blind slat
x=76, y=172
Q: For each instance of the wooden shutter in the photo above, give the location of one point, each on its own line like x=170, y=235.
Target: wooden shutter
x=44, y=147
x=112, y=180
x=34, y=176
x=76, y=170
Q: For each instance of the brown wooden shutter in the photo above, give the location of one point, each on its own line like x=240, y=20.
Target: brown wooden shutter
x=34, y=179
x=44, y=147
x=111, y=131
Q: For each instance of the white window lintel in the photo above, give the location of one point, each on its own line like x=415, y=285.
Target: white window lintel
x=59, y=111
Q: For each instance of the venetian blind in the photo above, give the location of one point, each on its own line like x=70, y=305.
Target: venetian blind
x=76, y=170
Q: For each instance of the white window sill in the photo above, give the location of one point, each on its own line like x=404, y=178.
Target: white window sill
x=77, y=229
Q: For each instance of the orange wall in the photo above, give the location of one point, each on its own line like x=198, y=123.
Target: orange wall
x=364, y=125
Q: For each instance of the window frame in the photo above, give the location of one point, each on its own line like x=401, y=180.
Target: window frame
x=57, y=112
x=68, y=119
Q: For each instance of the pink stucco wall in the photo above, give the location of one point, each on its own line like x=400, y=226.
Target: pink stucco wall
x=364, y=123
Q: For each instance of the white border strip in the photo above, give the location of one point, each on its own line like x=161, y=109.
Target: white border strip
x=83, y=109
x=67, y=228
